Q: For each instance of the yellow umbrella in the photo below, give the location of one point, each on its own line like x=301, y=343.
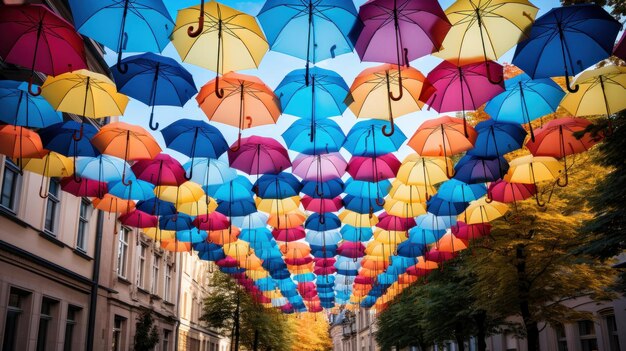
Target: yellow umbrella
x=389, y=236
x=51, y=165
x=237, y=249
x=155, y=233
x=601, y=92
x=278, y=206
x=531, y=169
x=178, y=195
x=410, y=193
x=404, y=209
x=425, y=171
x=376, y=248
x=219, y=38
x=272, y=294
x=356, y=219
x=204, y=205
x=256, y=274
x=480, y=211
x=485, y=30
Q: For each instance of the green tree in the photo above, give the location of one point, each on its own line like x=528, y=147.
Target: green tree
x=402, y=324
x=146, y=333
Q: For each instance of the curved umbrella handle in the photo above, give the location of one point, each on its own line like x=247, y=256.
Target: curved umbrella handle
x=566, y=181
x=317, y=191
x=154, y=126
x=494, y=82
x=126, y=182
x=322, y=218
x=567, y=83
x=393, y=128
x=80, y=134
x=122, y=67
x=381, y=202
x=194, y=33
x=539, y=202
x=407, y=64
x=238, y=146
x=401, y=93
x=32, y=92
x=42, y=193
x=218, y=92
x=190, y=173
x=249, y=119
x=488, y=198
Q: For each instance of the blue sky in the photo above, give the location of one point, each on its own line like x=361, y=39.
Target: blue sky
x=272, y=70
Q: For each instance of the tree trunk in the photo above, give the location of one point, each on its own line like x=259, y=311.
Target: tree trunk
x=481, y=328
x=237, y=325
x=458, y=336
x=532, y=330
x=255, y=346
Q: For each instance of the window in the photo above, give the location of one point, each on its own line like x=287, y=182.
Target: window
x=70, y=325
x=118, y=331
x=611, y=327
x=14, y=331
x=561, y=337
x=52, y=205
x=168, y=283
x=83, y=226
x=122, y=252
x=587, y=335
x=156, y=263
x=166, y=340
x=141, y=266
x=10, y=180
x=45, y=333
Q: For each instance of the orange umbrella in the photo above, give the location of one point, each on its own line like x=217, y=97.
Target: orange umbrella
x=450, y=243
x=174, y=245
x=19, y=142
x=443, y=136
x=225, y=236
x=374, y=85
x=295, y=249
x=244, y=96
x=287, y=220
x=113, y=204
x=126, y=141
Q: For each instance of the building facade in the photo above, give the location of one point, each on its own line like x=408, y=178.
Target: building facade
x=354, y=331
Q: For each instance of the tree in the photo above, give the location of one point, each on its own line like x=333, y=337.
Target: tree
x=402, y=324
x=309, y=333
x=146, y=333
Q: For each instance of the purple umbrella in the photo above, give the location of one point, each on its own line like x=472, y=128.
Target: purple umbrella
x=320, y=168
x=259, y=155
x=400, y=31
x=474, y=169
x=463, y=88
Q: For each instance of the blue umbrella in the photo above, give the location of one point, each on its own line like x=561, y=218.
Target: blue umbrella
x=366, y=138
x=372, y=190
x=354, y=234
x=410, y=249
x=566, y=41
x=326, y=25
x=213, y=255
x=440, y=207
x=21, y=108
x=237, y=189
x=136, y=190
x=131, y=25
x=236, y=208
x=251, y=221
x=328, y=190
x=207, y=246
x=322, y=222
x=534, y=98
x=362, y=204
x=103, y=168
x=323, y=98
x=325, y=238
x=425, y=236
x=474, y=169
x=328, y=251
x=177, y=222
x=156, y=207
x=304, y=277
x=194, y=139
x=433, y=223
x=458, y=191
x=403, y=262
x=155, y=80
x=497, y=138
x=210, y=173
x=277, y=186
x=328, y=137
x=192, y=235
x=254, y=236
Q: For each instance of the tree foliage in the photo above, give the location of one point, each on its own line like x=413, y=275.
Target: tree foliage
x=146, y=333
x=309, y=332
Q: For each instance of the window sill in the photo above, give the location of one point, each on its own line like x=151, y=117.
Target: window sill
x=51, y=238
x=83, y=254
x=123, y=280
x=155, y=297
x=168, y=303
x=144, y=291
x=7, y=213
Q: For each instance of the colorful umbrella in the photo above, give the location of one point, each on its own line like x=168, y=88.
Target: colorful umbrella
x=162, y=170
x=497, y=138
x=83, y=187
x=133, y=25
x=373, y=169
x=534, y=169
x=474, y=169
x=113, y=204
x=35, y=37
x=210, y=173
x=259, y=155
x=19, y=142
x=458, y=191
x=470, y=231
x=138, y=219
x=601, y=92
x=101, y=168
x=59, y=138
x=566, y=40
x=328, y=137
x=319, y=169
x=410, y=193
x=367, y=138
x=481, y=211
x=425, y=171
x=443, y=136
x=136, y=190
x=50, y=165
x=169, y=83
x=326, y=25
x=503, y=191
x=234, y=37
x=23, y=109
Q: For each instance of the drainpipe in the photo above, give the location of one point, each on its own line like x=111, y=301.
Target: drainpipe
x=180, y=279
x=95, y=282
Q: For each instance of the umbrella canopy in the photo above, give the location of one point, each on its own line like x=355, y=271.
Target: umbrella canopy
x=204, y=206
x=485, y=30
x=282, y=185
x=186, y=192
x=169, y=83
x=365, y=204
x=567, y=40
x=367, y=138
x=503, y=191
x=470, y=231
x=557, y=138
x=326, y=25
x=601, y=92
x=441, y=207
x=234, y=37
x=50, y=165
x=373, y=169
x=113, y=204
x=210, y=173
x=290, y=234
x=286, y=220
x=377, y=84
x=322, y=205
x=457, y=191
x=136, y=190
x=23, y=109
x=534, y=169
x=481, y=211
x=404, y=209
x=138, y=219
x=410, y=193
x=59, y=138
x=157, y=207
x=19, y=142
x=425, y=171
x=102, y=168
x=497, y=138
x=319, y=168
x=84, y=187
x=389, y=222
x=259, y=155
x=328, y=137
x=443, y=136
x=162, y=170
x=36, y=38
x=473, y=169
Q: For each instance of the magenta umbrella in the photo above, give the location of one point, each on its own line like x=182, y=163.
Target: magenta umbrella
x=400, y=31
x=463, y=88
x=503, y=191
x=322, y=205
x=211, y=221
x=373, y=169
x=138, y=219
x=84, y=187
x=620, y=49
x=162, y=170
x=470, y=231
x=289, y=234
x=259, y=155
x=319, y=168
x=351, y=249
x=393, y=223
x=34, y=37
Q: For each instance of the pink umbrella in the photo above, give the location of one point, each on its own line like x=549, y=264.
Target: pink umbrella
x=439, y=256
x=138, y=219
x=84, y=188
x=259, y=155
x=417, y=272
x=320, y=168
x=289, y=234
x=321, y=205
x=212, y=221
x=324, y=270
x=351, y=249
x=227, y=262
x=393, y=223
x=299, y=261
x=470, y=231
x=464, y=88
x=373, y=169
x=620, y=49
x=162, y=170
x=363, y=280
x=504, y=191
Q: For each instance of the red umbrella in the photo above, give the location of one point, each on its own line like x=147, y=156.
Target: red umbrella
x=470, y=231
x=557, y=139
x=439, y=256
x=36, y=38
x=298, y=261
x=464, y=88
x=351, y=249
x=320, y=205
x=213, y=221
x=324, y=270
x=84, y=187
x=393, y=223
x=162, y=170
x=417, y=272
x=259, y=155
x=506, y=192
x=289, y=234
x=375, y=168
x=364, y=280
x=138, y=219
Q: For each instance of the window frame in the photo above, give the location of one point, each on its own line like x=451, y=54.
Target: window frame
x=584, y=338
x=53, y=202
x=15, y=186
x=167, y=283
x=122, y=252
x=141, y=265
x=82, y=229
x=156, y=268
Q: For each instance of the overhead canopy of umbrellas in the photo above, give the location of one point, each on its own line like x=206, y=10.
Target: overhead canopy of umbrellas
x=321, y=216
